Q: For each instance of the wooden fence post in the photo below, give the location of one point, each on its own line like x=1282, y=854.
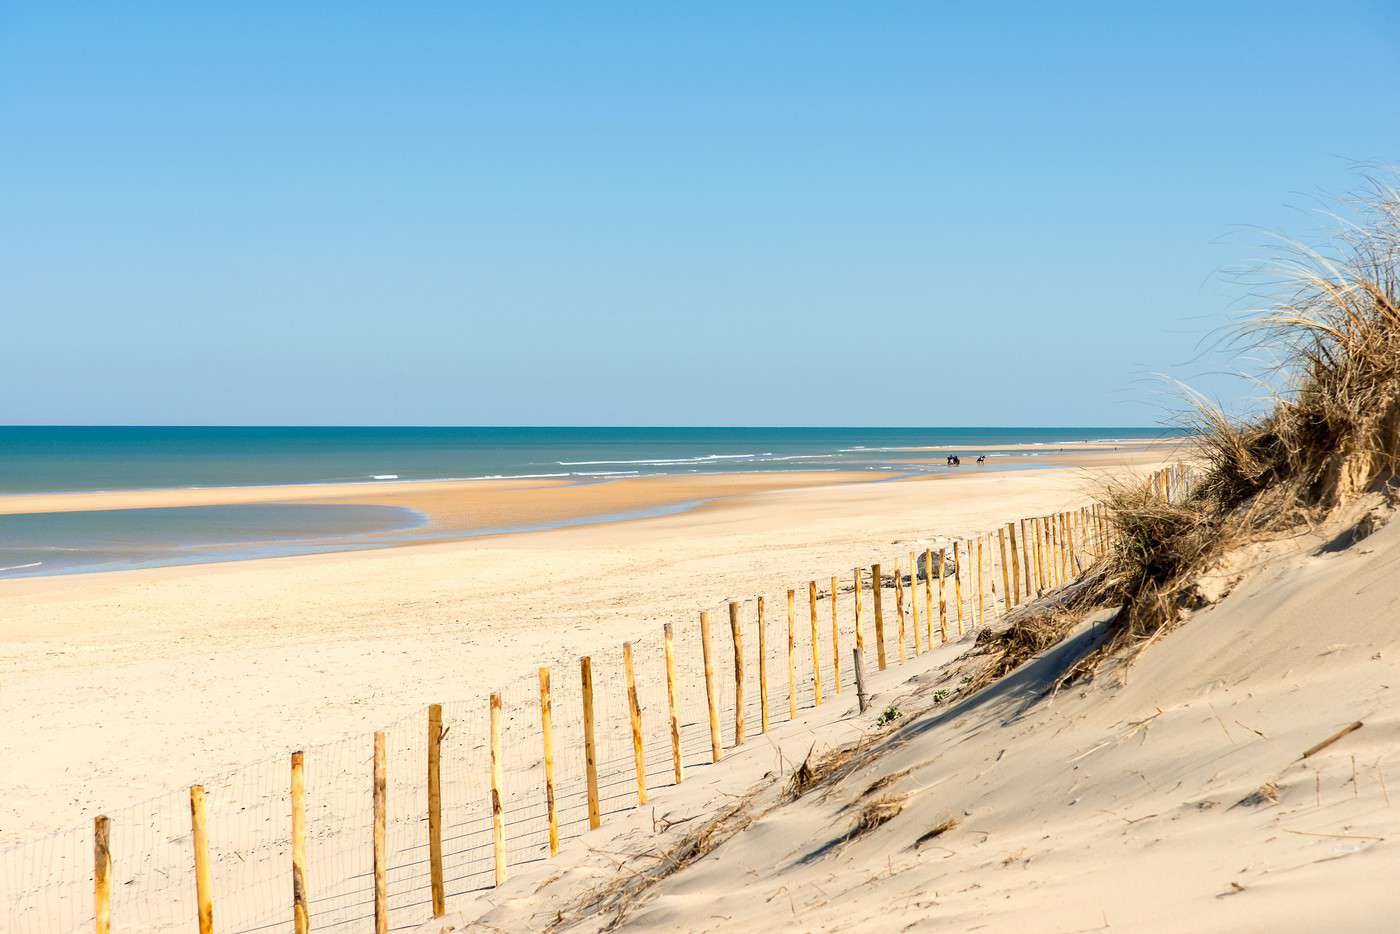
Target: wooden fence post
x=914, y=601
x=942, y=595
x=1037, y=579
x=1061, y=552
x=899, y=607
x=862, y=698
x=1047, y=570
x=547, y=734
x=737, y=634
x=672, y=702
x=102, y=873
x=792, y=654
x=762, y=667
x=716, y=744
x=381, y=850
x=816, y=653
x=1015, y=568
x=590, y=746
x=1005, y=574
x=634, y=713
x=957, y=583
x=860, y=636
x=1062, y=538
x=498, y=812
x=1028, y=544
x=877, y=587
x=435, y=808
x=301, y=917
x=928, y=596
x=203, y=894
x=835, y=638
x=981, y=594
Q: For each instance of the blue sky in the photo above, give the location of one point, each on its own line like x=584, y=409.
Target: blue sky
x=709, y=214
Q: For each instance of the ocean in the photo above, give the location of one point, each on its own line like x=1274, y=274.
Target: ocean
x=46, y=459
x=77, y=459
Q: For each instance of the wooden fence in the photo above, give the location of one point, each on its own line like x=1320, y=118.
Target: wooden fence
x=558, y=760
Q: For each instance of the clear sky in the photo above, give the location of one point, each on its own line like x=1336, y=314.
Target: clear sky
x=579, y=213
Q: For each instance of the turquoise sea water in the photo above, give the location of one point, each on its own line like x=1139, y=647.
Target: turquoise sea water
x=63, y=458
x=46, y=459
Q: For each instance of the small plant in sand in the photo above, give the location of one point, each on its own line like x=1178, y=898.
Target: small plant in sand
x=889, y=715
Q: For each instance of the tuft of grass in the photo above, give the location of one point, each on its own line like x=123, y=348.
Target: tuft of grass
x=936, y=831
x=889, y=715
x=880, y=811
x=1028, y=634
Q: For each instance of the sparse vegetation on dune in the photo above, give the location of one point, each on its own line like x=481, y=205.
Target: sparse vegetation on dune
x=1333, y=434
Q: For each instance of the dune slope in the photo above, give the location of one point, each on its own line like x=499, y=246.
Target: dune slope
x=1171, y=797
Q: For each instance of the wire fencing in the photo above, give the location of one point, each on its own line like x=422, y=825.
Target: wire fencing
x=452, y=824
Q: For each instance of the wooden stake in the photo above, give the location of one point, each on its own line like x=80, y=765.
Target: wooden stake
x=942, y=595
x=816, y=655
x=981, y=596
x=547, y=734
x=301, y=915
x=590, y=746
x=498, y=811
x=957, y=584
x=792, y=656
x=634, y=711
x=716, y=744
x=672, y=702
x=835, y=639
x=435, y=809
x=899, y=606
x=862, y=698
x=914, y=601
x=737, y=634
x=1039, y=584
x=860, y=636
x=763, y=666
x=203, y=894
x=102, y=873
x=1015, y=566
x=1026, y=559
x=1062, y=533
x=381, y=850
x=877, y=589
x=1344, y=731
x=1061, y=546
x=928, y=596
x=1005, y=575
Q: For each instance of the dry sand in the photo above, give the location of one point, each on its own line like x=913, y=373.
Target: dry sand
x=1174, y=798
x=118, y=686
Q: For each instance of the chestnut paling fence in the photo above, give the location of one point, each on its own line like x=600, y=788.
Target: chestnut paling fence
x=382, y=832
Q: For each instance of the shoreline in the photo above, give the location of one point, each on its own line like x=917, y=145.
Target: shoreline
x=307, y=519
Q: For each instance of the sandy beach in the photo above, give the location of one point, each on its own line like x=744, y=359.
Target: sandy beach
x=123, y=685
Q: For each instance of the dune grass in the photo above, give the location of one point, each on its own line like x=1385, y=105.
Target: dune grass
x=1332, y=434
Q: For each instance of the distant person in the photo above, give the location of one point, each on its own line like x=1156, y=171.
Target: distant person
x=982, y=459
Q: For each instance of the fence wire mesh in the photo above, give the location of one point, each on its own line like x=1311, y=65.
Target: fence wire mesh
x=793, y=652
